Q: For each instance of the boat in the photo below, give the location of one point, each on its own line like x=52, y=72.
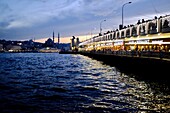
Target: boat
x=49, y=50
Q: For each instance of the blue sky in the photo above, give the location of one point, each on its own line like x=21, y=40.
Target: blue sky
x=29, y=19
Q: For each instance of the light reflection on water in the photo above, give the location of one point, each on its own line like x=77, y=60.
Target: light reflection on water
x=52, y=82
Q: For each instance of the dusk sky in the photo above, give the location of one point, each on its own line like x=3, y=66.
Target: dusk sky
x=29, y=19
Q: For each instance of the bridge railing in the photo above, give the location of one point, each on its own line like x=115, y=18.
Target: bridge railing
x=153, y=54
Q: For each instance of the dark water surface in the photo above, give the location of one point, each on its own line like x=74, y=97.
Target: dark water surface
x=54, y=83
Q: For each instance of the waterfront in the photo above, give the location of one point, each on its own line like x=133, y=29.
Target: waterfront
x=52, y=82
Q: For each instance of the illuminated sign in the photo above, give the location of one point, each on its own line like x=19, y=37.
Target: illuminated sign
x=146, y=42
x=118, y=43
x=157, y=41
x=142, y=41
x=109, y=44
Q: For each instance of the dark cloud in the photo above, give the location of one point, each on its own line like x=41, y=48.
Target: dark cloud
x=24, y=19
x=4, y=8
x=3, y=24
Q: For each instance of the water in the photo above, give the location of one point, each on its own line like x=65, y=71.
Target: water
x=58, y=83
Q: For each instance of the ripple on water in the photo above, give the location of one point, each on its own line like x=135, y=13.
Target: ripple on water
x=58, y=89
x=49, y=82
x=47, y=97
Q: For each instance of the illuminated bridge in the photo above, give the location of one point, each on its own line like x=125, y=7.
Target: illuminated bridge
x=142, y=49
x=147, y=38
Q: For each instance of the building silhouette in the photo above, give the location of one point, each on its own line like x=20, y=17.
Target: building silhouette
x=49, y=43
x=58, y=38
x=53, y=37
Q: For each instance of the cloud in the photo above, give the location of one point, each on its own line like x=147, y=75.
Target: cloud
x=29, y=13
x=38, y=18
x=16, y=24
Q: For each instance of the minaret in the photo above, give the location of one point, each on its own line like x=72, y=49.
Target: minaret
x=58, y=38
x=53, y=37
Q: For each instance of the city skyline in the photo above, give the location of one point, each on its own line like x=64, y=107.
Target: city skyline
x=29, y=19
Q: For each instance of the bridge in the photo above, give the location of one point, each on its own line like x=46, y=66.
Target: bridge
x=143, y=48
x=150, y=35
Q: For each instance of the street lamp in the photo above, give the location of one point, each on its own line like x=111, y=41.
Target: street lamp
x=101, y=25
x=92, y=31
x=122, y=11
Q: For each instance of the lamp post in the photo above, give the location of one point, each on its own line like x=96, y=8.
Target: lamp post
x=122, y=11
x=92, y=32
x=101, y=25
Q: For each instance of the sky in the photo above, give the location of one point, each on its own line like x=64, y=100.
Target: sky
x=37, y=19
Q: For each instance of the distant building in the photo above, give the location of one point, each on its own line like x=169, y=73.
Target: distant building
x=1, y=47
x=65, y=47
x=13, y=48
x=58, y=38
x=74, y=43
x=53, y=37
x=77, y=42
x=28, y=45
x=49, y=43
